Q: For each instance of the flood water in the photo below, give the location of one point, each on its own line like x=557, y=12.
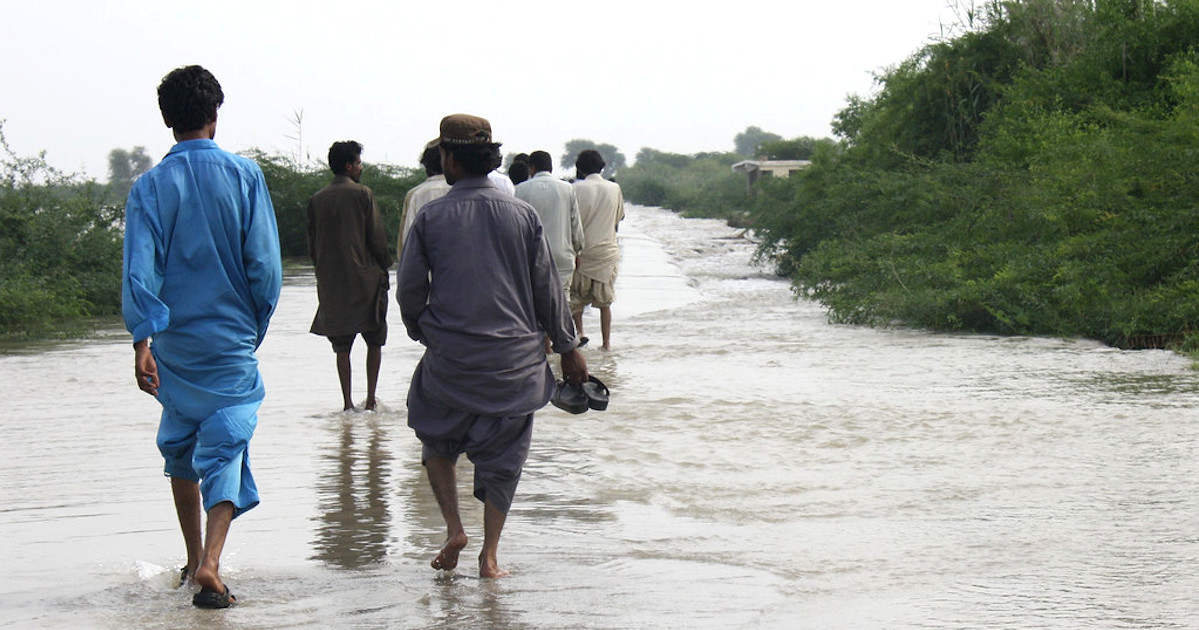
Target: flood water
x=757, y=468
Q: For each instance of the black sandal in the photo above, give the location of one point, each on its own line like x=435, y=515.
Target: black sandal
x=213, y=599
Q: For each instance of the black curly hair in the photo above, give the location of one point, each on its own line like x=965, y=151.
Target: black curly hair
x=476, y=159
x=431, y=160
x=589, y=162
x=342, y=153
x=188, y=98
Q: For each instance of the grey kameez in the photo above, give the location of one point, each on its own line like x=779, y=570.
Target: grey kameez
x=478, y=287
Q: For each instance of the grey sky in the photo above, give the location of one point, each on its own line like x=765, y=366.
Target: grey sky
x=79, y=76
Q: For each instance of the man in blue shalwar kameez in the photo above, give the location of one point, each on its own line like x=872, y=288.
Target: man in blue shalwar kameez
x=202, y=276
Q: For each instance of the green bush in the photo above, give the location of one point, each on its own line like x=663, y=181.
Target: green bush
x=291, y=185
x=701, y=185
x=60, y=247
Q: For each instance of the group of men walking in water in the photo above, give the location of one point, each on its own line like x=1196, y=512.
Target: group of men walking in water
x=492, y=277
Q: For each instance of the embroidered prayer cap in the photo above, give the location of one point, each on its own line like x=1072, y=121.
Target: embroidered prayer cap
x=465, y=129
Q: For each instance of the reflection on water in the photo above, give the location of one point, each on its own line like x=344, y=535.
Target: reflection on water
x=757, y=468
x=353, y=493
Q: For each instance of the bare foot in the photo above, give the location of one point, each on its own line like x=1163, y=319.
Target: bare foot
x=370, y=405
x=208, y=580
x=448, y=557
x=489, y=568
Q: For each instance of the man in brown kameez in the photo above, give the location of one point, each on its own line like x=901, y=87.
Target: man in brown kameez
x=348, y=245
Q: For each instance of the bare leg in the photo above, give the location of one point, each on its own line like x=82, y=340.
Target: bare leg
x=493, y=526
x=444, y=480
x=578, y=317
x=374, y=357
x=187, y=508
x=343, y=375
x=208, y=575
x=606, y=326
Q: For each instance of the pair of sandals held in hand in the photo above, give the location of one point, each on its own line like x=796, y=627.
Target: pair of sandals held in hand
x=576, y=399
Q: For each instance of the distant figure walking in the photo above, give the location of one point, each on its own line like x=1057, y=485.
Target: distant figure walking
x=201, y=278
x=434, y=187
x=558, y=207
x=478, y=287
x=348, y=245
x=519, y=172
x=601, y=206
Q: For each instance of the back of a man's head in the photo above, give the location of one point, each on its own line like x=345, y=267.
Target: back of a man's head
x=589, y=162
x=518, y=172
x=468, y=139
x=343, y=153
x=541, y=161
x=476, y=159
x=431, y=160
x=188, y=98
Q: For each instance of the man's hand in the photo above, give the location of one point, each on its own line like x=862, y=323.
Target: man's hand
x=145, y=368
x=574, y=367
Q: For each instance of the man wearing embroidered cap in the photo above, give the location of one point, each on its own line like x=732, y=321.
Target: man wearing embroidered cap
x=477, y=286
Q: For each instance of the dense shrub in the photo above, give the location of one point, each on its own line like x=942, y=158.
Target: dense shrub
x=700, y=185
x=60, y=247
x=1064, y=204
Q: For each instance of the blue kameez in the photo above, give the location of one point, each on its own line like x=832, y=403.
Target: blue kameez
x=202, y=276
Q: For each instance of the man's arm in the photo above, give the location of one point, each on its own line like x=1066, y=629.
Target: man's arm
x=549, y=300
x=412, y=282
x=145, y=368
x=376, y=234
x=141, y=270
x=310, y=230
x=619, y=208
x=141, y=280
x=574, y=367
x=405, y=223
x=576, y=224
x=260, y=253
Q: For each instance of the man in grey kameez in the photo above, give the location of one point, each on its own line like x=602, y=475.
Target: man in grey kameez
x=478, y=287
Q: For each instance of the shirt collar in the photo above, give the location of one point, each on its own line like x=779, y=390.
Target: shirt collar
x=193, y=145
x=544, y=174
x=474, y=182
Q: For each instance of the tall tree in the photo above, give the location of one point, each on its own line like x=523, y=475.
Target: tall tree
x=613, y=159
x=124, y=167
x=747, y=142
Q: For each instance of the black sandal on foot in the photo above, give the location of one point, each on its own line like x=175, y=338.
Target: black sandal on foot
x=213, y=599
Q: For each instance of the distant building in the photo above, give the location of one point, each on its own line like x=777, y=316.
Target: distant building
x=755, y=169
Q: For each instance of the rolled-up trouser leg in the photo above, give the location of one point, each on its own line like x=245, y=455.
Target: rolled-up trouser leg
x=222, y=457
x=177, y=443
x=498, y=447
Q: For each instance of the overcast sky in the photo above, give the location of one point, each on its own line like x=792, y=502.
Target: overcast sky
x=79, y=77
